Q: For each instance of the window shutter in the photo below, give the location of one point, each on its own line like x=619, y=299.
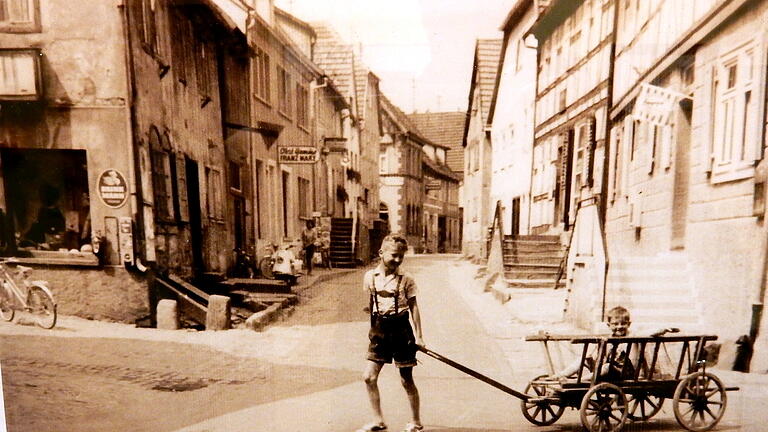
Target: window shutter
x=181, y=188
x=591, y=146
x=665, y=159
x=624, y=157
x=709, y=95
x=758, y=90
x=613, y=147
x=652, y=133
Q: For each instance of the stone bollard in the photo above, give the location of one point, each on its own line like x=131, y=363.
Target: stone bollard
x=218, y=316
x=167, y=315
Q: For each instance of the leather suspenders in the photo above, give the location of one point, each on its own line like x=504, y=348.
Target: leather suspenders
x=375, y=297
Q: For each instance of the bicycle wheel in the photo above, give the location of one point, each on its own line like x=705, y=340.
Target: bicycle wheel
x=265, y=267
x=41, y=305
x=7, y=310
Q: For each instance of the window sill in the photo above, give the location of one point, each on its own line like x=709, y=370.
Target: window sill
x=57, y=258
x=262, y=100
x=285, y=116
x=724, y=176
x=20, y=28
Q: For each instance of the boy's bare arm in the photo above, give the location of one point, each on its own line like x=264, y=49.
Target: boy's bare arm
x=413, y=305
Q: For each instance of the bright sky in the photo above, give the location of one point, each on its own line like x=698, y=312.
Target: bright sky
x=421, y=49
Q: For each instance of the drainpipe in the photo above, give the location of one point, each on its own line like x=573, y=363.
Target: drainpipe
x=314, y=94
x=603, y=202
x=131, y=125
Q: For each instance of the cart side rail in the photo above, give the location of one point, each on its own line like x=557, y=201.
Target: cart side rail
x=627, y=359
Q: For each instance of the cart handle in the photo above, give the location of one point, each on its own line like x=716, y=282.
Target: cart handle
x=473, y=373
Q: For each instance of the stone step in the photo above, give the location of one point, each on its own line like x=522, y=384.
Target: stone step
x=538, y=243
x=533, y=283
x=547, y=250
x=528, y=274
x=534, y=237
x=532, y=259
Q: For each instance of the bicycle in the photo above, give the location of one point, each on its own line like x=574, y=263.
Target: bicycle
x=35, y=297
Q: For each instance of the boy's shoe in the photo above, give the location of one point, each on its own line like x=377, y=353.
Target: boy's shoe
x=413, y=427
x=373, y=427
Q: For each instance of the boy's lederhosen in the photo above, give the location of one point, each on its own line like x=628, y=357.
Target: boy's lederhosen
x=391, y=336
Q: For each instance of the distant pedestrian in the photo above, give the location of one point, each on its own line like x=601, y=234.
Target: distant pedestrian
x=392, y=296
x=308, y=239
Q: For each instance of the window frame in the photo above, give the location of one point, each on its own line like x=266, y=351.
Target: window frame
x=17, y=26
x=735, y=110
x=260, y=68
x=284, y=102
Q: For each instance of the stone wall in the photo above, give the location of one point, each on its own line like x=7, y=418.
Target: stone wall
x=106, y=293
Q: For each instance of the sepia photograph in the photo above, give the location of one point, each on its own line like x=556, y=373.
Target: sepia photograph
x=383, y=215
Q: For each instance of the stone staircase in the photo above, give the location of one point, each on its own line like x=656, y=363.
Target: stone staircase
x=342, y=251
x=658, y=291
x=532, y=261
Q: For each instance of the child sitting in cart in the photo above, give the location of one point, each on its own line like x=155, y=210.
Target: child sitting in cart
x=620, y=366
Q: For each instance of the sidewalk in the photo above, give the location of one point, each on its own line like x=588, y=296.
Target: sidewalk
x=532, y=310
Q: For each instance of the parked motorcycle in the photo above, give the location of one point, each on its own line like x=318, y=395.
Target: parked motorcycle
x=280, y=263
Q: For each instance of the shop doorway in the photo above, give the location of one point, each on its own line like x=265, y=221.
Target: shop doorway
x=44, y=200
x=195, y=225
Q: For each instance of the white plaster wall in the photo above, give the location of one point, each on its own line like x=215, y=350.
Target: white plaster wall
x=512, y=130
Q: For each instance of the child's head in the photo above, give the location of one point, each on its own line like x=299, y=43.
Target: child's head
x=392, y=251
x=618, y=321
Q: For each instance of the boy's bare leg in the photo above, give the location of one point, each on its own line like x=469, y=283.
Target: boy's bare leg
x=371, y=377
x=406, y=378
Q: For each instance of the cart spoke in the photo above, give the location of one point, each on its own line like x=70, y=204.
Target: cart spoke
x=551, y=411
x=613, y=416
x=536, y=413
x=715, y=402
x=642, y=407
x=712, y=392
x=709, y=411
x=692, y=421
x=596, y=422
x=688, y=411
x=688, y=401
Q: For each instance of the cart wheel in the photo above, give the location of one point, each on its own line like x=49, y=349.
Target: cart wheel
x=604, y=408
x=699, y=402
x=643, y=406
x=541, y=412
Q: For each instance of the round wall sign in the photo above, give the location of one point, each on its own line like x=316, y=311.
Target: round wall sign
x=113, y=189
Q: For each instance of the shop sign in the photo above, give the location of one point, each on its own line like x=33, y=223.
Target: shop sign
x=113, y=189
x=434, y=185
x=297, y=154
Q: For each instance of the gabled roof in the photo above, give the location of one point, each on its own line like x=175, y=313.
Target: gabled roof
x=403, y=123
x=299, y=23
x=484, y=70
x=441, y=170
x=445, y=129
x=336, y=58
x=513, y=19
x=362, y=75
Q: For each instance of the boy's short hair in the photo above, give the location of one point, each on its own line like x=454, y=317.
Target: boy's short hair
x=617, y=313
x=394, y=239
